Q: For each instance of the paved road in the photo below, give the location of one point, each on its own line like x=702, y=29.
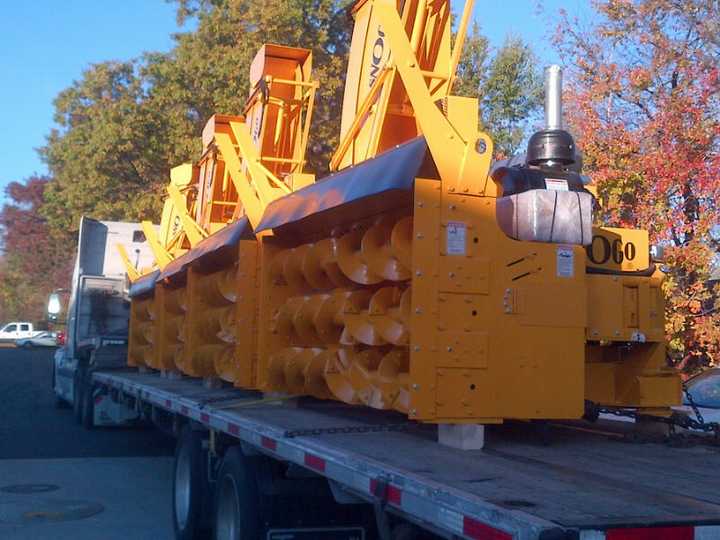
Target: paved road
x=106, y=484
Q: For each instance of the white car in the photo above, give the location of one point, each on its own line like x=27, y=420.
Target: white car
x=43, y=339
x=17, y=330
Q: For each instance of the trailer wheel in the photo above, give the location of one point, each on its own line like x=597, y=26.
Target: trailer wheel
x=191, y=501
x=87, y=404
x=59, y=402
x=237, y=511
x=78, y=379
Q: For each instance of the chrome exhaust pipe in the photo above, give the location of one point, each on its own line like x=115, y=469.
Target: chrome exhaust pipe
x=553, y=97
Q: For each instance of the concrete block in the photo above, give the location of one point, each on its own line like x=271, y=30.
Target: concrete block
x=462, y=436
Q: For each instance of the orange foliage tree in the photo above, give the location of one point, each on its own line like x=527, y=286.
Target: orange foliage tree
x=33, y=262
x=644, y=104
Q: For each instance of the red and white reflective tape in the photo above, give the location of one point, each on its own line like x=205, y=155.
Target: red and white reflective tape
x=472, y=528
x=268, y=443
x=393, y=494
x=689, y=532
x=469, y=526
x=315, y=462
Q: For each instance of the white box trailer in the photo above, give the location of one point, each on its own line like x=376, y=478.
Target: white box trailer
x=532, y=481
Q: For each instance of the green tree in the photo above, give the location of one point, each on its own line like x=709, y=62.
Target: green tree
x=207, y=71
x=508, y=84
x=104, y=154
x=124, y=125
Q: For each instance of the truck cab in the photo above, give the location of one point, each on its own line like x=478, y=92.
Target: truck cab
x=16, y=330
x=97, y=315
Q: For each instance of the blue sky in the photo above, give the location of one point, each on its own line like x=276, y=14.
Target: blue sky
x=46, y=44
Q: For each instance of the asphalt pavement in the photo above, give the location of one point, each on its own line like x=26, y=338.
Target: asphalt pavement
x=59, y=481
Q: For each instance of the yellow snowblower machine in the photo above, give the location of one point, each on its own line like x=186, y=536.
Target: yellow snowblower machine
x=419, y=276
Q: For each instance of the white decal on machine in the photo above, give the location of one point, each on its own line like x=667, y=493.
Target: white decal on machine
x=556, y=184
x=456, y=238
x=565, y=262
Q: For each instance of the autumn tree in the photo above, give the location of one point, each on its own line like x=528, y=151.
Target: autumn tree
x=644, y=103
x=33, y=263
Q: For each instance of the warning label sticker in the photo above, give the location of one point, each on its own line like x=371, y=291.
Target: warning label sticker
x=565, y=262
x=556, y=184
x=456, y=238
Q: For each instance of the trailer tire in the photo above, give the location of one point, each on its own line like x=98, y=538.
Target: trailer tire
x=237, y=499
x=405, y=531
x=191, y=490
x=87, y=403
x=78, y=379
x=59, y=402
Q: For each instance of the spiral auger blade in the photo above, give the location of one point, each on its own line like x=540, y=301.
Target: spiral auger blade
x=312, y=266
x=293, y=371
x=328, y=318
x=321, y=269
x=384, y=247
x=208, y=329
x=173, y=329
x=175, y=301
x=389, y=313
x=378, y=319
x=312, y=320
x=315, y=383
x=148, y=332
x=391, y=381
x=303, y=320
x=276, y=367
x=226, y=320
x=221, y=289
x=346, y=341
x=401, y=242
x=348, y=373
x=224, y=358
x=292, y=268
x=299, y=370
x=351, y=260
x=225, y=364
x=282, y=323
x=355, y=317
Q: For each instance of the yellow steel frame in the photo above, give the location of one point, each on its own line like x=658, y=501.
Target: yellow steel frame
x=388, y=313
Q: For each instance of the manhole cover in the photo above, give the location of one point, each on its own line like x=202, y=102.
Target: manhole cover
x=44, y=511
x=29, y=488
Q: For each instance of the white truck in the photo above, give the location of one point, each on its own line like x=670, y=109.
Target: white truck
x=255, y=467
x=17, y=330
x=97, y=314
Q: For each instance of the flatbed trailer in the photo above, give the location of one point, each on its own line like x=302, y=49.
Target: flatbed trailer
x=530, y=482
